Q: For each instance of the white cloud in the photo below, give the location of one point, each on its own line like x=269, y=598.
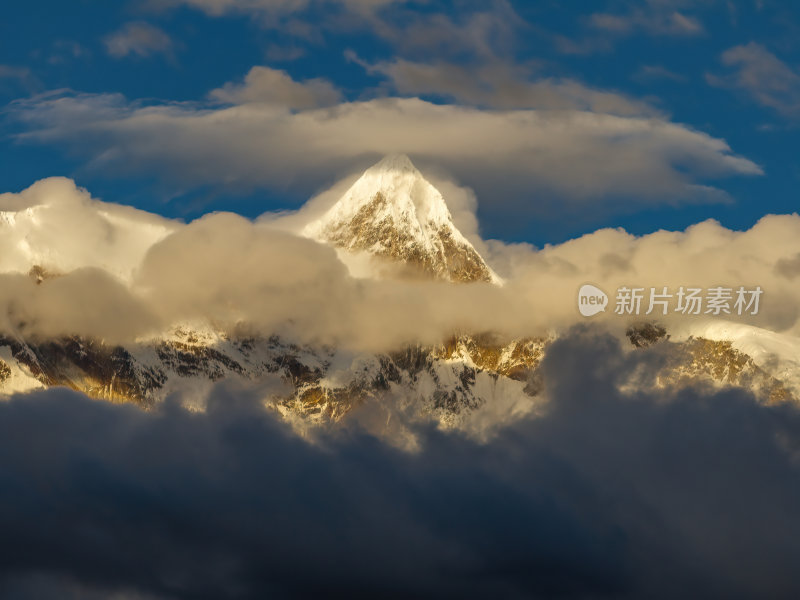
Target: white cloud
x=230, y=270
x=60, y=227
x=139, y=39
x=271, y=86
x=704, y=255
x=514, y=157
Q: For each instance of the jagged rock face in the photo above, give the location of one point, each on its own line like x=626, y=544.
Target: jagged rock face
x=5, y=372
x=446, y=380
x=85, y=365
x=722, y=363
x=38, y=273
x=716, y=361
x=392, y=212
x=643, y=335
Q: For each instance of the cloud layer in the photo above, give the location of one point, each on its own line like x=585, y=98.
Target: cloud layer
x=524, y=162
x=142, y=274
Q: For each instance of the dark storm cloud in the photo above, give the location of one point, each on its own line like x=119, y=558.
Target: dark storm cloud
x=607, y=495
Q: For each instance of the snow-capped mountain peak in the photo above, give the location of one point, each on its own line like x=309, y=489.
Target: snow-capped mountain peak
x=394, y=163
x=392, y=212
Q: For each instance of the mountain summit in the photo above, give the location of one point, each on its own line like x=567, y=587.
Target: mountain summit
x=394, y=213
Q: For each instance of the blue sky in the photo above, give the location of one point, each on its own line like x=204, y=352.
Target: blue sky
x=563, y=117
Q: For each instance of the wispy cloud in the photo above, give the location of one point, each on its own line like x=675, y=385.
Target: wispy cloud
x=672, y=23
x=269, y=9
x=601, y=30
x=138, y=39
x=654, y=17
x=484, y=33
x=474, y=30
x=657, y=73
x=765, y=77
x=21, y=76
x=66, y=50
x=497, y=84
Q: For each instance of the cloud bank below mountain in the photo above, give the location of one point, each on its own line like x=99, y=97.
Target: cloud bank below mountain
x=608, y=494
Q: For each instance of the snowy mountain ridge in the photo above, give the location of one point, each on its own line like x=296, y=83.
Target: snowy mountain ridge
x=56, y=227
x=776, y=353
x=392, y=212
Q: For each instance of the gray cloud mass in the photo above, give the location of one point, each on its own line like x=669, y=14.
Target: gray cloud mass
x=606, y=495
